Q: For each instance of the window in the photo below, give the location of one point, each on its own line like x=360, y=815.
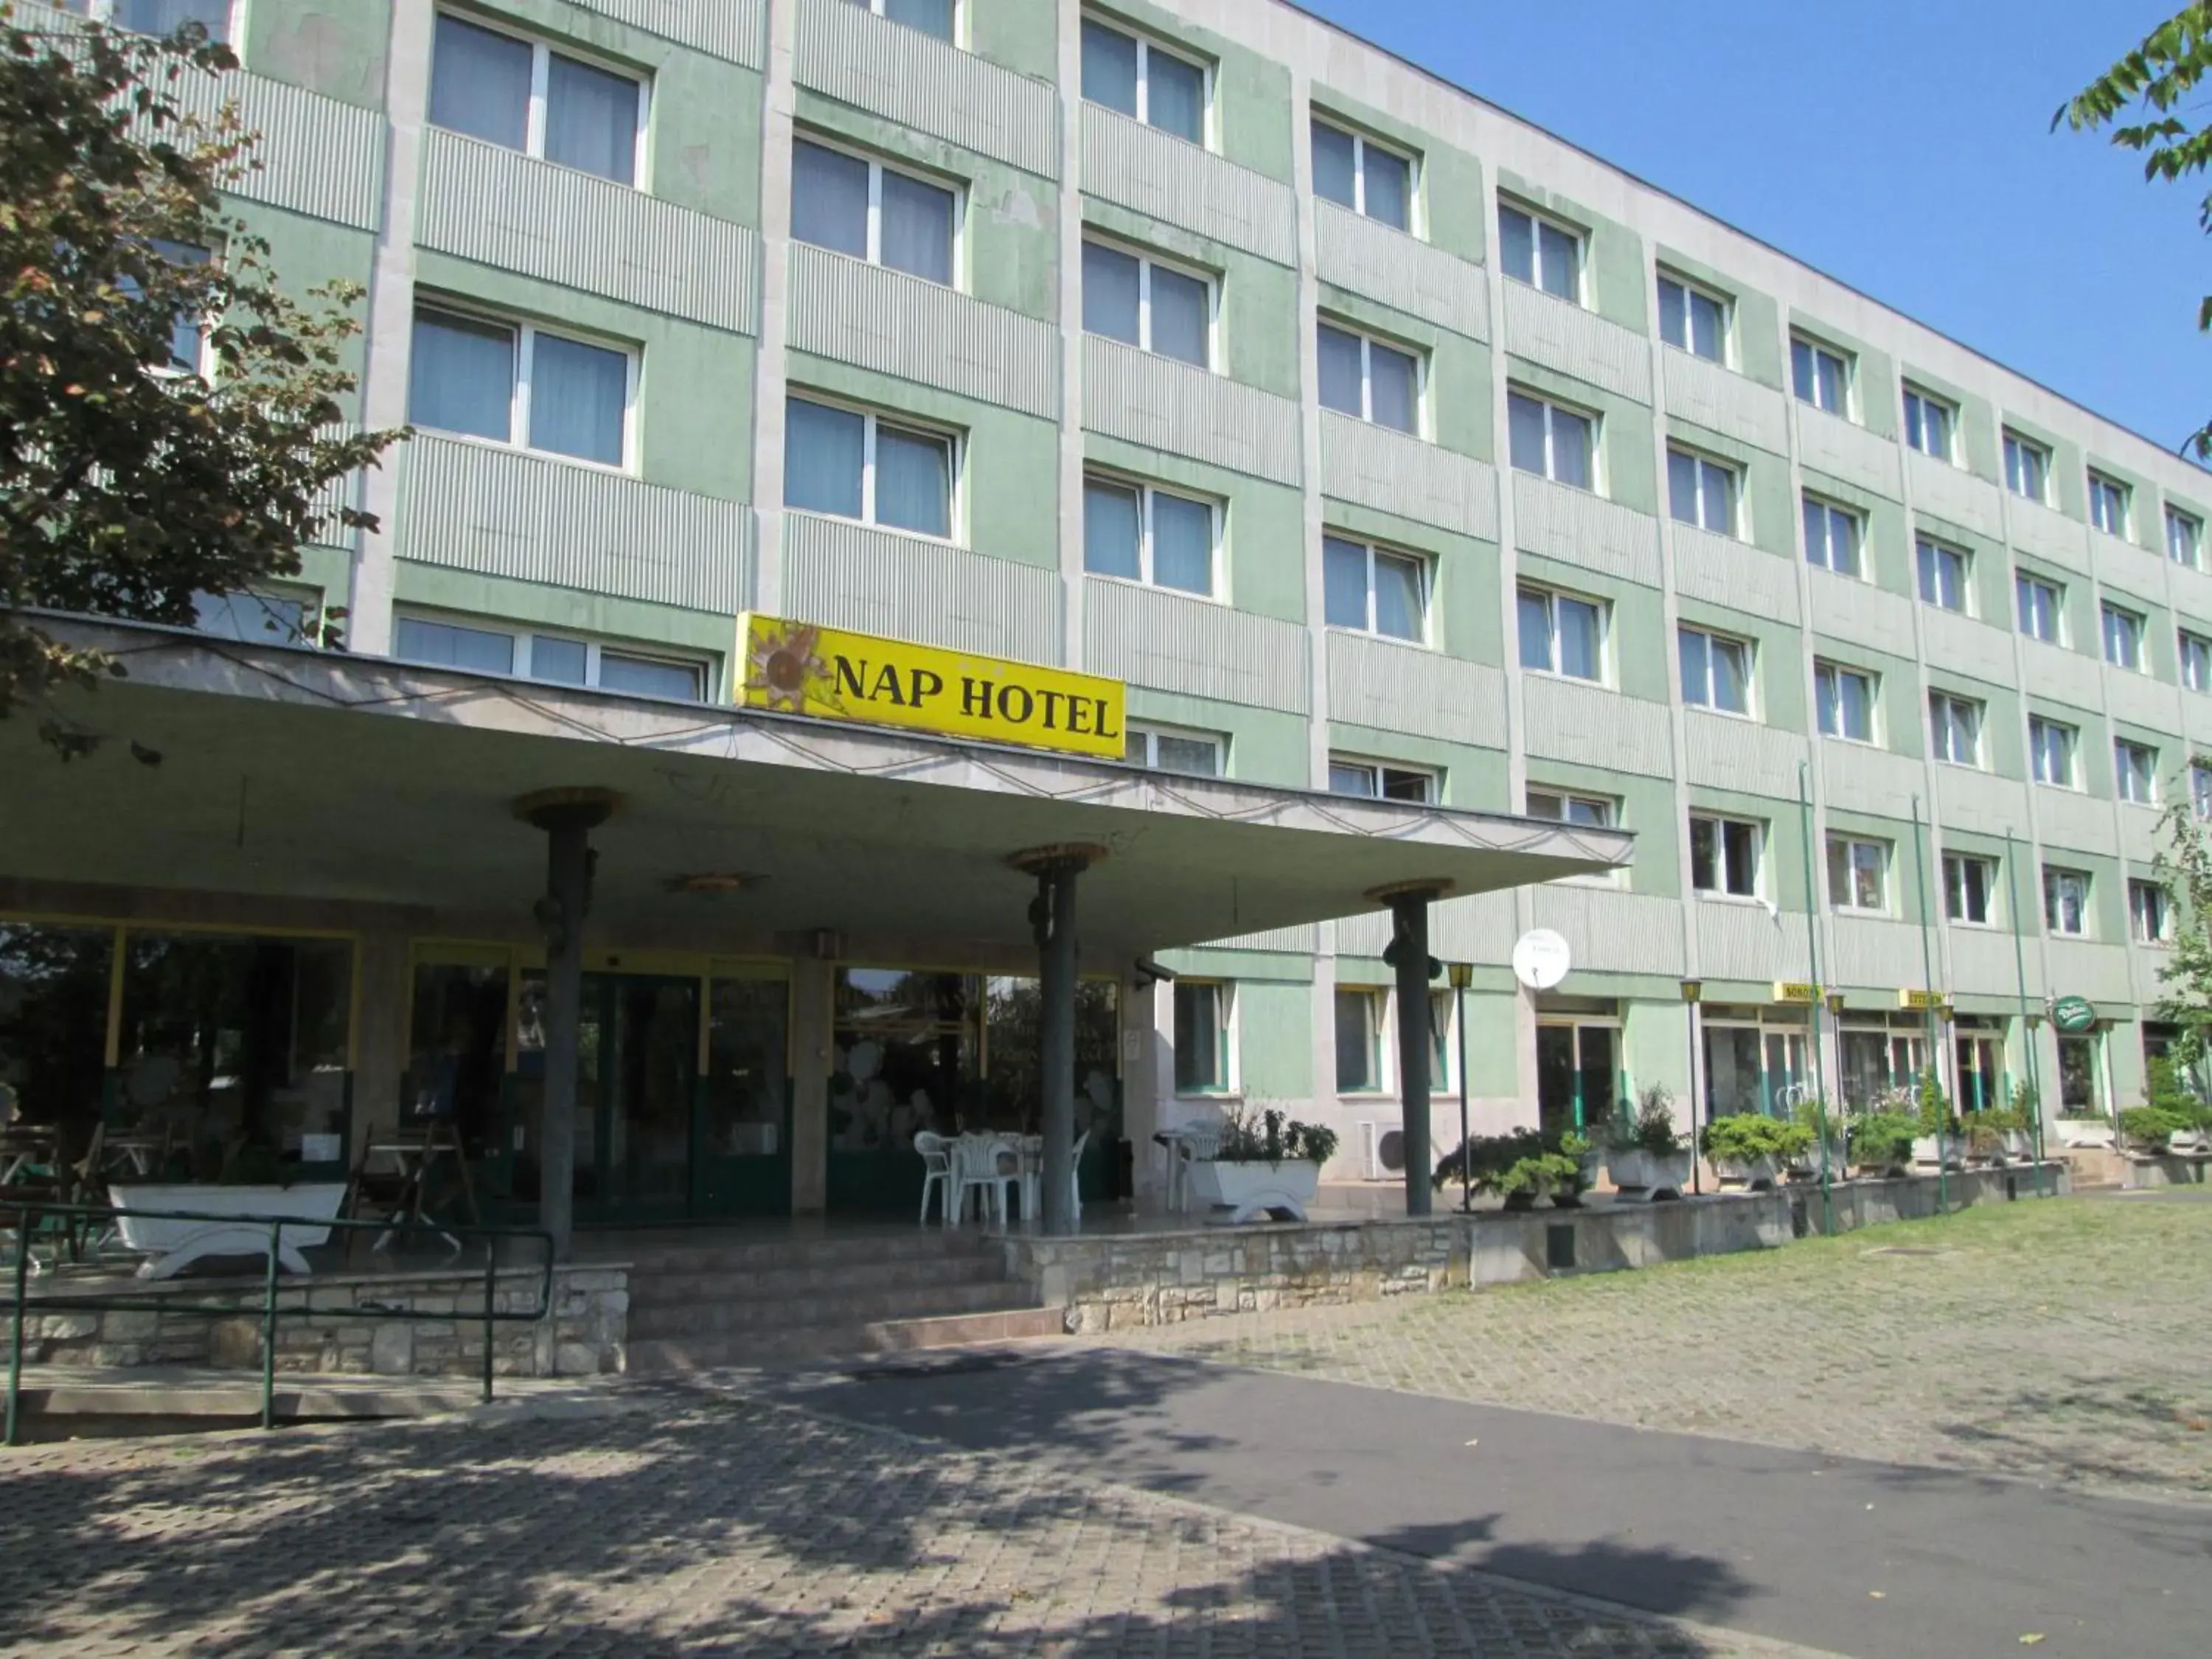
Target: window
x=188, y=334
x=1202, y=1038
x=1145, y=82
x=1373, y=590
x=930, y=17
x=514, y=383
x=1145, y=535
x=250, y=616
x=1968, y=883
x=1359, y=1040
x=2195, y=654
x=2150, y=913
x=1702, y=491
x=1846, y=696
x=2028, y=467
x=1692, y=319
x=858, y=465
x=1724, y=856
x=2077, y=1073
x=2051, y=751
x=521, y=95
x=2108, y=505
x=1942, y=575
x=1535, y=251
x=2066, y=902
x=1557, y=806
x=1955, y=723
x=1562, y=634
x=1716, y=670
x=1379, y=780
x=157, y=17
x=1552, y=441
x=856, y=205
x=1369, y=380
x=1158, y=749
x=1145, y=304
x=1820, y=375
x=2200, y=788
x=1833, y=537
x=558, y=658
x=1355, y=172
x=1858, y=873
x=2184, y=537
x=2041, y=609
x=1927, y=422
x=2124, y=638
x=2135, y=772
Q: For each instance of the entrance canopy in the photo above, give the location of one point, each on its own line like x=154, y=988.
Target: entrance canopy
x=263, y=769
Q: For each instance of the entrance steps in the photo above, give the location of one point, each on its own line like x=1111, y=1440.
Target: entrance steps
x=696, y=1307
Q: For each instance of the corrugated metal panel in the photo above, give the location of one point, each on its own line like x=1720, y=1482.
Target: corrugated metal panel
x=1171, y=642
x=1981, y=801
x=1876, y=953
x=1569, y=721
x=501, y=208
x=1722, y=752
x=1365, y=935
x=2098, y=972
x=2047, y=534
x=1860, y=778
x=1609, y=931
x=1846, y=451
x=2197, y=712
x=1156, y=172
x=1403, y=687
x=2067, y=677
x=1579, y=528
x=2123, y=565
x=844, y=574
x=2140, y=841
x=1392, y=473
x=1952, y=493
x=726, y=28
x=1550, y=331
x=1293, y=941
x=1743, y=941
x=900, y=325
x=1846, y=608
x=916, y=80
x=2142, y=701
x=1163, y=404
x=504, y=513
x=1963, y=646
x=1723, y=571
x=1983, y=961
x=2192, y=593
x=1477, y=929
x=1353, y=251
x=316, y=156
x=1727, y=402
x=2066, y=818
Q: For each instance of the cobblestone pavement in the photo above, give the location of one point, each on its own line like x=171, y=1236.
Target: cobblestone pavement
x=2064, y=1340
x=686, y=1524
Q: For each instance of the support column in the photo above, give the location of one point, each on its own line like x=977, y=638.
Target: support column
x=568, y=816
x=1408, y=955
x=1052, y=921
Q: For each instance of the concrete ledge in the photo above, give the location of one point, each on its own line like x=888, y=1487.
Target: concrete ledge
x=2146, y=1171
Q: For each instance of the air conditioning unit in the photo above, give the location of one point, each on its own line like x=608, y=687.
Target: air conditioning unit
x=1382, y=1150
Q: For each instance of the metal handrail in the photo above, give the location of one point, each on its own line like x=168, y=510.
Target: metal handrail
x=26, y=1213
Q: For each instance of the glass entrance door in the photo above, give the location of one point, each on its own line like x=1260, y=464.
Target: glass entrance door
x=1576, y=1069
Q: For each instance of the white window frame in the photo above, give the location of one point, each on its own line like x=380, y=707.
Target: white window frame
x=1950, y=410
x=1832, y=507
x=1368, y=341
x=1554, y=406
x=1847, y=376
x=526, y=356
x=1713, y=636
x=2200, y=788
x=1925, y=546
x=542, y=53
x=1383, y=1080
x=2193, y=653
x=2069, y=744
x=1147, y=46
x=2023, y=579
x=1955, y=891
x=1150, y=733
x=899, y=420
x=2054, y=877
x=1690, y=286
x=1376, y=769
x=1146, y=260
x=957, y=254
x=1721, y=823
x=2101, y=484
x=1225, y=1001
x=1551, y=597
x=1361, y=143
x=2184, y=537
x=1217, y=566
x=1822, y=665
x=1536, y=217
x=1567, y=800
x=2137, y=626
x=2019, y=446
x=526, y=638
x=1374, y=550
x=1943, y=709
x=1854, y=845
x=2150, y=912
x=2124, y=750
x=1738, y=528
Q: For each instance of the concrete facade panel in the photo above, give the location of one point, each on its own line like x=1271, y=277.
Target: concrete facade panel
x=1403, y=687
x=1155, y=173
x=1377, y=467
x=316, y=155
x=1846, y=608
x=1610, y=931
x=1988, y=805
x=1961, y=645
x=2047, y=534
x=1952, y=492
x=730, y=29
x=1564, y=337
x=1569, y=721
x=1847, y=451
x=2142, y=701
x=1983, y=961
x=1163, y=404
x=2068, y=819
x=2067, y=677
x=1402, y=271
x=1724, y=571
x=876, y=581
x=1722, y=752
x=1724, y=401
x=1875, y=954
x=1743, y=941
x=1576, y=527
x=1860, y=778
x=2080, y=968
x=1172, y=642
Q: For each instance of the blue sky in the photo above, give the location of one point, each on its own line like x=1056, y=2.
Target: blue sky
x=1901, y=148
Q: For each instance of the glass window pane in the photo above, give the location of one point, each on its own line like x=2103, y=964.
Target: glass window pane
x=1344, y=582
x=1580, y=637
x=480, y=82
x=824, y=451
x=828, y=199
x=249, y=617
x=1740, y=847
x=1389, y=188
x=1524, y=417
x=1559, y=257
x=914, y=481
x=642, y=676
x=1196, y=1049
x=917, y=228
x=591, y=119
x=1407, y=786
x=1112, y=522
x=1682, y=486
x=1174, y=96
x=1706, y=317
x=1198, y=756
x=566, y=661
x=1397, y=597
x=1802, y=379
x=1704, y=855
x=166, y=16
x=578, y=394
x=1692, y=650
x=1336, y=174
x=1517, y=239
x=460, y=375
x=1110, y=292
x=1355, y=1066
x=1183, y=543
x=930, y=17
x=1534, y=615
x=1179, y=308
x=1109, y=68
x=1674, y=322
x=1341, y=373
x=1731, y=676
x=1858, y=706
x=1571, y=436
x=1347, y=779
x=1717, y=498
x=1396, y=379
x=479, y=650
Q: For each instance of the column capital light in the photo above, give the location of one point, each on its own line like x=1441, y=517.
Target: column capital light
x=1424, y=887
x=581, y=807
x=1055, y=856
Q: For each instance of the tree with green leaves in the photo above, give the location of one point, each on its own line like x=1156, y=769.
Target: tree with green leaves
x=2147, y=102
x=2184, y=867
x=172, y=424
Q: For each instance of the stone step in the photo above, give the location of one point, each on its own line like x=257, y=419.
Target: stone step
x=922, y=1244
x=653, y=1290
x=660, y=1356
x=826, y=1307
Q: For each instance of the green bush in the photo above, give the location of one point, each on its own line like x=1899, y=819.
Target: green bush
x=2166, y=1091
x=1274, y=1138
x=1883, y=1138
x=1937, y=1117
x=1652, y=1129
x=2153, y=1126
x=1749, y=1136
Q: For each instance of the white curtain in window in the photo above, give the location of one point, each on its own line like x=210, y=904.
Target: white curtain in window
x=1389, y=188
x=568, y=661
x=1183, y=543
x=824, y=451
x=1395, y=380
x=1109, y=294
x=1174, y=96
x=591, y=119
x=1397, y=597
x=1524, y=418
x=1579, y=638
x=830, y=198
x=1341, y=373
x=1731, y=688
x=480, y=83
x=1109, y=68
x=1335, y=165
x=577, y=396
x=1535, y=617
x=1344, y=582
x=1570, y=449
x=917, y=235
x=914, y=482
x=1179, y=306
x=1112, y=524
x=461, y=375
x=1559, y=249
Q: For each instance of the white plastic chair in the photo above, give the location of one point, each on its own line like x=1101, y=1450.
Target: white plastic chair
x=937, y=1172
x=1074, y=1176
x=976, y=1169
x=1195, y=1143
x=1031, y=1164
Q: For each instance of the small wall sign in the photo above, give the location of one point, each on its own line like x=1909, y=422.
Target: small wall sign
x=2073, y=1013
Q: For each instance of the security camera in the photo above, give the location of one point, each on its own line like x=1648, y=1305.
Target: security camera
x=1151, y=973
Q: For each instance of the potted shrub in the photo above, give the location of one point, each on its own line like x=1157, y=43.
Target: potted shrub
x=1938, y=1141
x=2019, y=1129
x=1804, y=1163
x=1270, y=1166
x=1646, y=1156
x=1572, y=1169
x=2187, y=1117
x=2148, y=1129
x=1519, y=1168
x=1881, y=1142
x=1748, y=1149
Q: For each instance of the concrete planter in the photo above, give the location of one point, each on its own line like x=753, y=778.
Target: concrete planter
x=1247, y=1190
x=1928, y=1152
x=1806, y=1166
x=2075, y=1133
x=242, y=1228
x=1640, y=1173
x=1757, y=1174
x=2190, y=1143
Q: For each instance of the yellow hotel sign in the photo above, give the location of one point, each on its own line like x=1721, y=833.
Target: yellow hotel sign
x=832, y=675
x=1795, y=990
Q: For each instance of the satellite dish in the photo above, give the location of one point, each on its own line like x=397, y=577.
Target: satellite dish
x=1541, y=959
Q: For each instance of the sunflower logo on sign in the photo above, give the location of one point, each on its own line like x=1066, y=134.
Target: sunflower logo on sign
x=783, y=663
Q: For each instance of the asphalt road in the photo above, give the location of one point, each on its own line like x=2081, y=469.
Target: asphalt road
x=1873, y=1561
